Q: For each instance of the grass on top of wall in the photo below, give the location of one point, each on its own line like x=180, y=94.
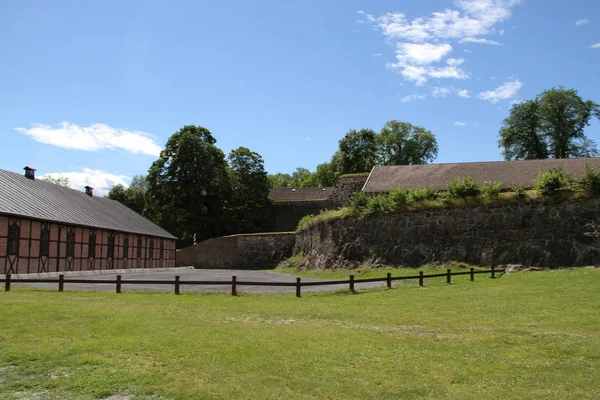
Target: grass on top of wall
x=523, y=336
x=385, y=205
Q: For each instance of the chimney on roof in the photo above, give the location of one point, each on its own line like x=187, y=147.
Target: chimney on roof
x=29, y=172
x=89, y=191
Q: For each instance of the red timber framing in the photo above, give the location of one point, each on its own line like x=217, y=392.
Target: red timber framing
x=32, y=246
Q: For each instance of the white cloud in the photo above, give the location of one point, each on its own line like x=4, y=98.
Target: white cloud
x=308, y=138
x=92, y=138
x=455, y=61
x=377, y=55
x=100, y=180
x=442, y=91
x=505, y=91
x=480, y=41
x=422, y=54
x=424, y=41
x=464, y=93
x=460, y=123
x=582, y=22
x=412, y=97
x=595, y=46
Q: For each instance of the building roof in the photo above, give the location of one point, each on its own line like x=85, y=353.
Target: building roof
x=300, y=194
x=437, y=176
x=37, y=199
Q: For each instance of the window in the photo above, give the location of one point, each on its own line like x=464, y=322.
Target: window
x=110, y=248
x=139, y=248
x=92, y=245
x=70, y=243
x=126, y=246
x=45, y=241
x=151, y=255
x=14, y=233
x=162, y=249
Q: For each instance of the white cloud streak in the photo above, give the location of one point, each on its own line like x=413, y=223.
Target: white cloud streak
x=422, y=42
x=582, y=22
x=507, y=90
x=460, y=123
x=92, y=138
x=464, y=93
x=413, y=97
x=101, y=181
x=595, y=46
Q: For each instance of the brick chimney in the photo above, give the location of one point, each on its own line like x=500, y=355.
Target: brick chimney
x=29, y=172
x=89, y=191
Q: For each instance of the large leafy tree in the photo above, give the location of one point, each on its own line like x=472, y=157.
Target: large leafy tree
x=133, y=196
x=188, y=186
x=521, y=133
x=249, y=207
x=551, y=125
x=357, y=151
x=401, y=143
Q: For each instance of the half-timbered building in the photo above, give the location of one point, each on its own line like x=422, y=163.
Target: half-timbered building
x=45, y=227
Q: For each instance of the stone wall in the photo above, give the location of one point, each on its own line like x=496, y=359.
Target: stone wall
x=342, y=192
x=286, y=214
x=530, y=233
x=249, y=251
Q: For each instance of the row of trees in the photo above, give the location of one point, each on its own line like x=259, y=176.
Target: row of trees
x=192, y=189
x=549, y=126
x=397, y=143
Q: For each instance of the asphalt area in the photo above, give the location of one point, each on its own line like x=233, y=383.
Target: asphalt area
x=197, y=275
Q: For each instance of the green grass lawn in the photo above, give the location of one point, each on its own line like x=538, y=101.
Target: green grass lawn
x=532, y=335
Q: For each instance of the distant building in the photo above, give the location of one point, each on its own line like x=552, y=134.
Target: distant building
x=45, y=227
x=437, y=176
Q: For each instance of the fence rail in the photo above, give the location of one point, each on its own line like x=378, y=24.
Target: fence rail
x=234, y=283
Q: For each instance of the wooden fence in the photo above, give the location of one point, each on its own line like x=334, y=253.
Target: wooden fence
x=234, y=283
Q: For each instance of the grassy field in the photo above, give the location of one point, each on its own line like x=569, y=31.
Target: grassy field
x=532, y=335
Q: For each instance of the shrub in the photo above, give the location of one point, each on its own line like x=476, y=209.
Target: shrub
x=519, y=191
x=359, y=200
x=590, y=181
x=399, y=196
x=553, y=182
x=461, y=188
x=418, y=195
x=306, y=221
x=443, y=196
x=378, y=205
x=491, y=189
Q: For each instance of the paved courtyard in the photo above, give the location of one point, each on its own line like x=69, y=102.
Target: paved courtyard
x=195, y=275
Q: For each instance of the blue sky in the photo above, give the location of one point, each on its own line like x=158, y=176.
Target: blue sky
x=92, y=90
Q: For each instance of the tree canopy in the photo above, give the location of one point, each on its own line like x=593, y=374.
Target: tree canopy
x=551, y=125
x=249, y=205
x=398, y=143
x=57, y=180
x=133, y=196
x=188, y=186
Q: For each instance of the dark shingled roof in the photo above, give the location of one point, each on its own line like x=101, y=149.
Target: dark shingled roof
x=300, y=194
x=437, y=176
x=24, y=197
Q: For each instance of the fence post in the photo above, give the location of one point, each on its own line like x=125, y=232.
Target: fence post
x=448, y=276
x=176, y=284
x=7, y=283
x=352, y=283
x=118, y=283
x=298, y=287
x=421, y=278
x=61, y=283
x=234, y=285
x=472, y=274
x=389, y=280
x=493, y=272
